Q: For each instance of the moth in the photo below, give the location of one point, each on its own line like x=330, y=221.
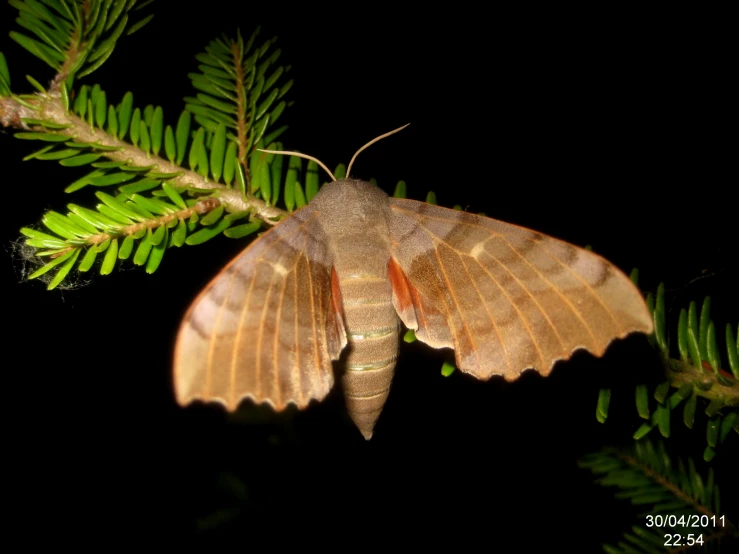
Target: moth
x=336, y=279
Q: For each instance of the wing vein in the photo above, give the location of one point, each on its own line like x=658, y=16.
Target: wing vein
x=323, y=310
x=515, y=306
x=260, y=334
x=211, y=342
x=492, y=318
x=237, y=340
x=573, y=309
x=297, y=348
x=313, y=318
x=530, y=295
x=276, y=342
x=275, y=366
x=589, y=287
x=456, y=303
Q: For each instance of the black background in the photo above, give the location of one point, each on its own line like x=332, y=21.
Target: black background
x=610, y=129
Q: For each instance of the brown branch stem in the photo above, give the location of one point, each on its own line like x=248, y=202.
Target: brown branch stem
x=48, y=107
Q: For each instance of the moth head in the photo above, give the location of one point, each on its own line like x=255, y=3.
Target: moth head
x=320, y=163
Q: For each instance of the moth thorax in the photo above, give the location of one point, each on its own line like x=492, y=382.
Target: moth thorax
x=348, y=205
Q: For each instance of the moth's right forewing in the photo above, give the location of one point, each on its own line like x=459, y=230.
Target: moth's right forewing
x=265, y=327
x=504, y=297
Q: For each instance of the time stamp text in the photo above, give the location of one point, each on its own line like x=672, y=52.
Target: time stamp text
x=686, y=522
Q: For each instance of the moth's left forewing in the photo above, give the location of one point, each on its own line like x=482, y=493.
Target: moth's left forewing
x=504, y=297
x=266, y=327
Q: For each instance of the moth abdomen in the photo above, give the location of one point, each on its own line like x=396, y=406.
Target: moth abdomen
x=372, y=333
x=365, y=392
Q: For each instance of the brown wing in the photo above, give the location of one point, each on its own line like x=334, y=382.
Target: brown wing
x=266, y=327
x=503, y=297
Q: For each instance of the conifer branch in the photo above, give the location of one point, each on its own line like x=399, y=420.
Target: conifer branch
x=48, y=107
x=240, y=97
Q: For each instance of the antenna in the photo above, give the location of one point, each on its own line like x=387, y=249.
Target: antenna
x=370, y=143
x=300, y=155
x=319, y=162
